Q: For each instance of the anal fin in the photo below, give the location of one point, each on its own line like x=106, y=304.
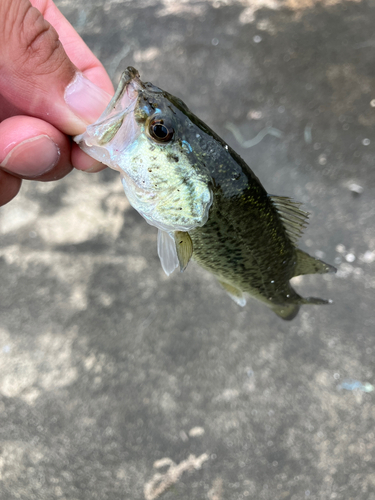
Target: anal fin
x=234, y=293
x=310, y=265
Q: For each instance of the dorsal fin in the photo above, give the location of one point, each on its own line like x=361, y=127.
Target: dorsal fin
x=293, y=218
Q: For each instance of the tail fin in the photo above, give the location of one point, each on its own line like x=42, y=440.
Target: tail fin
x=290, y=311
x=310, y=265
x=315, y=300
x=287, y=312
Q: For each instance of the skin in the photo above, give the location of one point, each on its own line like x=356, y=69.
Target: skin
x=40, y=55
x=246, y=239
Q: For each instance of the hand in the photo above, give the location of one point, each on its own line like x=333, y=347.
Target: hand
x=51, y=87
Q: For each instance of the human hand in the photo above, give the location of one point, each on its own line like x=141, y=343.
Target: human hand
x=51, y=87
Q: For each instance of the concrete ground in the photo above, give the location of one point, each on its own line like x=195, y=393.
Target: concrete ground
x=110, y=372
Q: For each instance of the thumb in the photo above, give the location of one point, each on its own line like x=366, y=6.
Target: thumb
x=37, y=76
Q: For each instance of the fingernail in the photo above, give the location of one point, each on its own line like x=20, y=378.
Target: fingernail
x=86, y=99
x=97, y=167
x=26, y=159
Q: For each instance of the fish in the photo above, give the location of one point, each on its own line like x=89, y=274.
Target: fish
x=205, y=201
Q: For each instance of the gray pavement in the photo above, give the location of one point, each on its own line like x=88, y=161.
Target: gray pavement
x=110, y=372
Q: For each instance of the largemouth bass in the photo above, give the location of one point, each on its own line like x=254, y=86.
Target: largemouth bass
x=204, y=199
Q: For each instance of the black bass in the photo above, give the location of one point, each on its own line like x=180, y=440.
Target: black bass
x=205, y=201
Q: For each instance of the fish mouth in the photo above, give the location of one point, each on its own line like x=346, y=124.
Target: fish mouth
x=116, y=129
x=127, y=91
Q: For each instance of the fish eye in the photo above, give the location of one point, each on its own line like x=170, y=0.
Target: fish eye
x=161, y=131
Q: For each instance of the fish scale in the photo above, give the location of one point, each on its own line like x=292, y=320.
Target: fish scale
x=255, y=255
x=205, y=200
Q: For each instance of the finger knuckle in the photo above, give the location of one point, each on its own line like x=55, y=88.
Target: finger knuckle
x=39, y=42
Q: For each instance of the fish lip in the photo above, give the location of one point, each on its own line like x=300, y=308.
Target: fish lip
x=129, y=77
x=131, y=74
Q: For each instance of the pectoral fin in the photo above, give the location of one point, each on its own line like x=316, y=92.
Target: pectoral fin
x=184, y=248
x=234, y=293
